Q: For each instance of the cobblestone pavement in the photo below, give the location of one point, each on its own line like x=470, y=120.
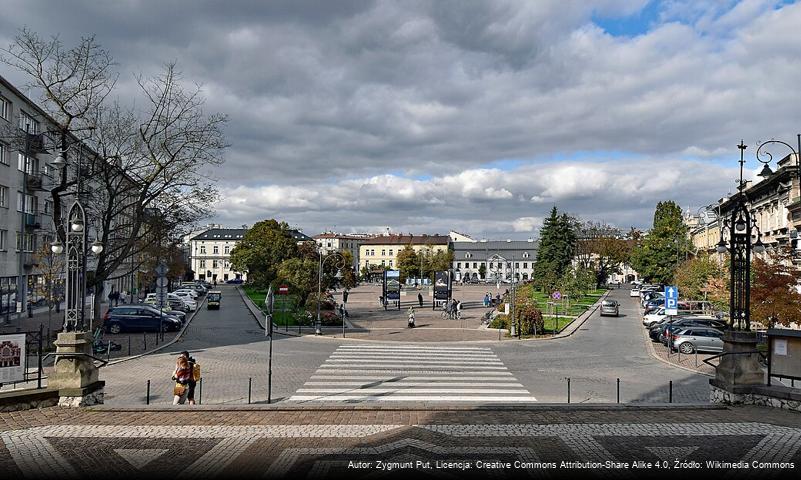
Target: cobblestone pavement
x=445, y=441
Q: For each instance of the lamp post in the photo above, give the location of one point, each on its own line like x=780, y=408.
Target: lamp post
x=340, y=265
x=765, y=157
x=513, y=281
x=76, y=236
x=740, y=226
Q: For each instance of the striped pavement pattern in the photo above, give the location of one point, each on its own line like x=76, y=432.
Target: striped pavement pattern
x=404, y=373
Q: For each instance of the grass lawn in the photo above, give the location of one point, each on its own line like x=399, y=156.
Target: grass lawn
x=568, y=311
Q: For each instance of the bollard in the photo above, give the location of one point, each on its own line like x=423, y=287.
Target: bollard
x=250, y=386
x=108, y=351
x=144, y=336
x=618, y=390
x=157, y=339
x=670, y=392
x=129, y=345
x=696, y=358
x=200, y=392
x=568, y=389
x=147, y=401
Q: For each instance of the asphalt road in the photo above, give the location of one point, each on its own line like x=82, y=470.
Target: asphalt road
x=232, y=349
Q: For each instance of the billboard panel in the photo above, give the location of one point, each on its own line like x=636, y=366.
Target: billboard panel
x=442, y=285
x=12, y=358
x=392, y=285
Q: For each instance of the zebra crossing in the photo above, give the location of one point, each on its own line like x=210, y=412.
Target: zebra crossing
x=406, y=373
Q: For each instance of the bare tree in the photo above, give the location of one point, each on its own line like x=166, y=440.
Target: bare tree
x=156, y=157
x=51, y=288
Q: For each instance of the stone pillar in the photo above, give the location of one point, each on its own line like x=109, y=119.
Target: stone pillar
x=75, y=374
x=737, y=370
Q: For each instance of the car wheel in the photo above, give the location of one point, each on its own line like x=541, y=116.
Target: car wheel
x=686, y=348
x=114, y=328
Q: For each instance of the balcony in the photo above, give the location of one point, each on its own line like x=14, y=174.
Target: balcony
x=35, y=143
x=33, y=221
x=29, y=260
x=33, y=181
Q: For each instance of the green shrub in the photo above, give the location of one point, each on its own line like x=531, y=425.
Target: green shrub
x=530, y=319
x=501, y=321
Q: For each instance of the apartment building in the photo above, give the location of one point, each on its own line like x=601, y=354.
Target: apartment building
x=382, y=251
x=329, y=242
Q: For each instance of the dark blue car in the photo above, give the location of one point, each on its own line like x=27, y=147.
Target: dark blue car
x=138, y=318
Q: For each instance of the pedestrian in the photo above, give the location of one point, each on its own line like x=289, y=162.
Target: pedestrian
x=420, y=299
x=181, y=375
x=124, y=296
x=458, y=309
x=193, y=379
x=342, y=310
x=345, y=296
x=411, y=317
x=381, y=300
x=111, y=296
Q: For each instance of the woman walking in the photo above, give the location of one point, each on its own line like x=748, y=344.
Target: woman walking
x=181, y=375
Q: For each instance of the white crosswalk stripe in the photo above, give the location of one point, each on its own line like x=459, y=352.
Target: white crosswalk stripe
x=407, y=373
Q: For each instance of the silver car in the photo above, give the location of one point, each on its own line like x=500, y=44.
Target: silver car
x=701, y=339
x=610, y=307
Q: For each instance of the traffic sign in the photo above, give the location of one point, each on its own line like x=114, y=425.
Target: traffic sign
x=556, y=295
x=283, y=289
x=161, y=281
x=162, y=269
x=671, y=300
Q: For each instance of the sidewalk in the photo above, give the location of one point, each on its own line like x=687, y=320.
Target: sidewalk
x=446, y=441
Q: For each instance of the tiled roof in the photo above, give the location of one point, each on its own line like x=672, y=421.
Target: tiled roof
x=407, y=239
x=238, y=233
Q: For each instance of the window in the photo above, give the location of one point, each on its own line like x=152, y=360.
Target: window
x=517, y=265
x=214, y=264
x=202, y=264
x=30, y=205
x=390, y=263
x=3, y=196
x=48, y=207
x=3, y=235
x=29, y=165
x=525, y=264
x=3, y=154
x=383, y=263
x=27, y=123
x=216, y=250
x=5, y=107
x=390, y=253
x=203, y=249
x=383, y=253
x=475, y=264
x=482, y=264
x=28, y=240
x=458, y=264
x=227, y=249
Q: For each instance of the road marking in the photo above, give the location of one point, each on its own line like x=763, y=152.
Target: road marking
x=371, y=373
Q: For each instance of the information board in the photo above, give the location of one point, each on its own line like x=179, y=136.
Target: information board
x=12, y=358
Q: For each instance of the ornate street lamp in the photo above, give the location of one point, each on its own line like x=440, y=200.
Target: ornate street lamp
x=765, y=157
x=76, y=236
x=741, y=226
x=340, y=266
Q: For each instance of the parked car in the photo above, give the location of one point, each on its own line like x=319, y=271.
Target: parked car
x=635, y=292
x=697, y=338
x=610, y=307
x=191, y=291
x=133, y=318
x=190, y=302
x=166, y=308
x=685, y=322
x=234, y=281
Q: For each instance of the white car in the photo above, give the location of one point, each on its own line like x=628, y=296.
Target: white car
x=188, y=300
x=634, y=293
x=652, y=318
x=190, y=291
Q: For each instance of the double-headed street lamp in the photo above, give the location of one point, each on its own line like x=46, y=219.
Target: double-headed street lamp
x=340, y=266
x=76, y=236
x=741, y=226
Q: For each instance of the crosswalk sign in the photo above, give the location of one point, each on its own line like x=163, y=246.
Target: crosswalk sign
x=671, y=300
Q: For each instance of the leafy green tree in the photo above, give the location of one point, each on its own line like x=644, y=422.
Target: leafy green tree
x=658, y=254
x=300, y=274
x=262, y=249
x=407, y=262
x=348, y=280
x=556, y=249
x=441, y=260
x=693, y=276
x=601, y=248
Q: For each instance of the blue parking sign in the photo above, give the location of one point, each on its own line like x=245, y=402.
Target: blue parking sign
x=671, y=300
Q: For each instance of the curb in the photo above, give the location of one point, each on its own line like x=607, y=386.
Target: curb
x=165, y=345
x=578, y=322
x=652, y=351
x=416, y=406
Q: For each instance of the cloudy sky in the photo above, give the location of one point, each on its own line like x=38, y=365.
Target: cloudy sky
x=477, y=116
